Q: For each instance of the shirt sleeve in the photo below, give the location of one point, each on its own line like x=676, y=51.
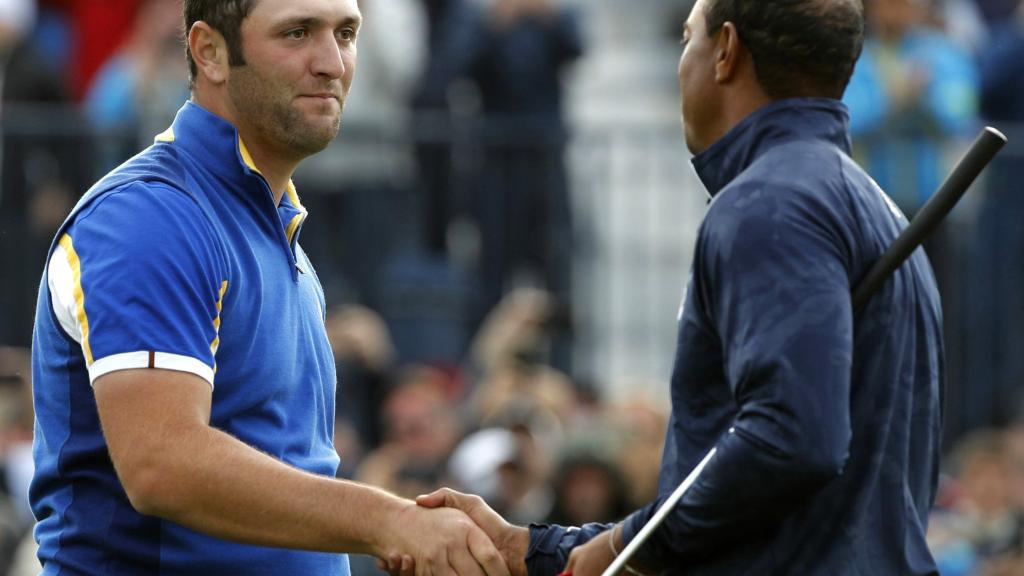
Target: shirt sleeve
x=772, y=275
x=138, y=280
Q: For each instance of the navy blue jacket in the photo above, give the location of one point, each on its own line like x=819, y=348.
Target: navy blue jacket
x=826, y=420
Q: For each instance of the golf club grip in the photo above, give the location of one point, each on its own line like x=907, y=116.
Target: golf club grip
x=981, y=152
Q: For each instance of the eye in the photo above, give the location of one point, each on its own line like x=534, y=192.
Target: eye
x=296, y=34
x=346, y=35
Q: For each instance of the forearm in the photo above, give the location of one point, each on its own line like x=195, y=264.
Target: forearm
x=212, y=482
x=743, y=491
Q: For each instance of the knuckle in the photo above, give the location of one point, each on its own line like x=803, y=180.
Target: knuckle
x=490, y=556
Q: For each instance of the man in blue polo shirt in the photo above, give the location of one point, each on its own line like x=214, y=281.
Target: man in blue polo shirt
x=825, y=419
x=184, y=385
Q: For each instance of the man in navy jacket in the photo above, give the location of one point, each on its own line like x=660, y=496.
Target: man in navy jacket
x=826, y=419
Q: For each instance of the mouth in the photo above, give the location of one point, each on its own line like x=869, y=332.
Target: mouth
x=322, y=96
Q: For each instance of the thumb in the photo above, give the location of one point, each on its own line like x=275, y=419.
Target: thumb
x=435, y=499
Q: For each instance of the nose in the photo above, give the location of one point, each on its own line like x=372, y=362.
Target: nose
x=327, y=61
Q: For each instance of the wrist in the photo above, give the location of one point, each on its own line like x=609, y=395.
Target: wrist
x=386, y=536
x=513, y=544
x=617, y=545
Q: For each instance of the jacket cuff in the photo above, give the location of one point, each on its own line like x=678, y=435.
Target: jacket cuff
x=550, y=546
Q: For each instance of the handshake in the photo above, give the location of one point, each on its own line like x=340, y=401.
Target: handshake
x=459, y=534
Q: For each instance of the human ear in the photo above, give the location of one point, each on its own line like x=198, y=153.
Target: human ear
x=728, y=47
x=209, y=52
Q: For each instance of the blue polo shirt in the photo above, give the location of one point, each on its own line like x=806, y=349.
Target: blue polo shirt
x=178, y=260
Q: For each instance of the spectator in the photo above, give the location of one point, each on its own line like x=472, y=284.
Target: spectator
x=43, y=167
x=1001, y=80
x=522, y=204
x=364, y=356
x=138, y=90
x=963, y=22
x=913, y=93
x=451, y=42
x=981, y=527
x=98, y=27
x=514, y=52
x=996, y=11
x=15, y=451
x=997, y=327
x=420, y=430
x=589, y=487
x=524, y=480
x=640, y=424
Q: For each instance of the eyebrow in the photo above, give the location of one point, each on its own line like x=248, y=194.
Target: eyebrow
x=316, y=22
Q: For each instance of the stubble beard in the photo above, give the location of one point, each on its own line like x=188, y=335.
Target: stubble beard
x=278, y=119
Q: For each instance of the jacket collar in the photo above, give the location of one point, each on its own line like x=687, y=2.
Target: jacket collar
x=820, y=119
x=203, y=134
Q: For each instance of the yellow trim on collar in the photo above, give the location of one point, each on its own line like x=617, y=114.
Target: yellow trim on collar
x=293, y=197
x=293, y=226
x=247, y=157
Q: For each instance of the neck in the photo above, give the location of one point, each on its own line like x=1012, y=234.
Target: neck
x=276, y=166
x=736, y=107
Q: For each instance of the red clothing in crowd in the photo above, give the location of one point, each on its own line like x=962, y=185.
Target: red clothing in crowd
x=98, y=28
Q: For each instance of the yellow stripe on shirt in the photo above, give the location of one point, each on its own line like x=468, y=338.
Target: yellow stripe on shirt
x=216, y=321
x=76, y=271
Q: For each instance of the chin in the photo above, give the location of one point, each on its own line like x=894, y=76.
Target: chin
x=316, y=135
x=314, y=143
x=691, y=141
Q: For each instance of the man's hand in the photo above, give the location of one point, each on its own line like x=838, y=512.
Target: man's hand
x=594, y=557
x=511, y=541
x=442, y=542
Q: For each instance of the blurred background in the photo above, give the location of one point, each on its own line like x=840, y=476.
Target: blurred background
x=504, y=229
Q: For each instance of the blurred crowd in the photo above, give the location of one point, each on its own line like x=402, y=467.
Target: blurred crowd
x=443, y=232
x=504, y=424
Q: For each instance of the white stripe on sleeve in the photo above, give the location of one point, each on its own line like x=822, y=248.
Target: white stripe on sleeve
x=61, y=282
x=161, y=360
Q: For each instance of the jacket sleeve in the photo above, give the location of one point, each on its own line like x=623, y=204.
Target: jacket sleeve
x=550, y=546
x=771, y=271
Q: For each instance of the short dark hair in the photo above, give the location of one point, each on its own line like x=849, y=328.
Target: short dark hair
x=224, y=16
x=800, y=48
